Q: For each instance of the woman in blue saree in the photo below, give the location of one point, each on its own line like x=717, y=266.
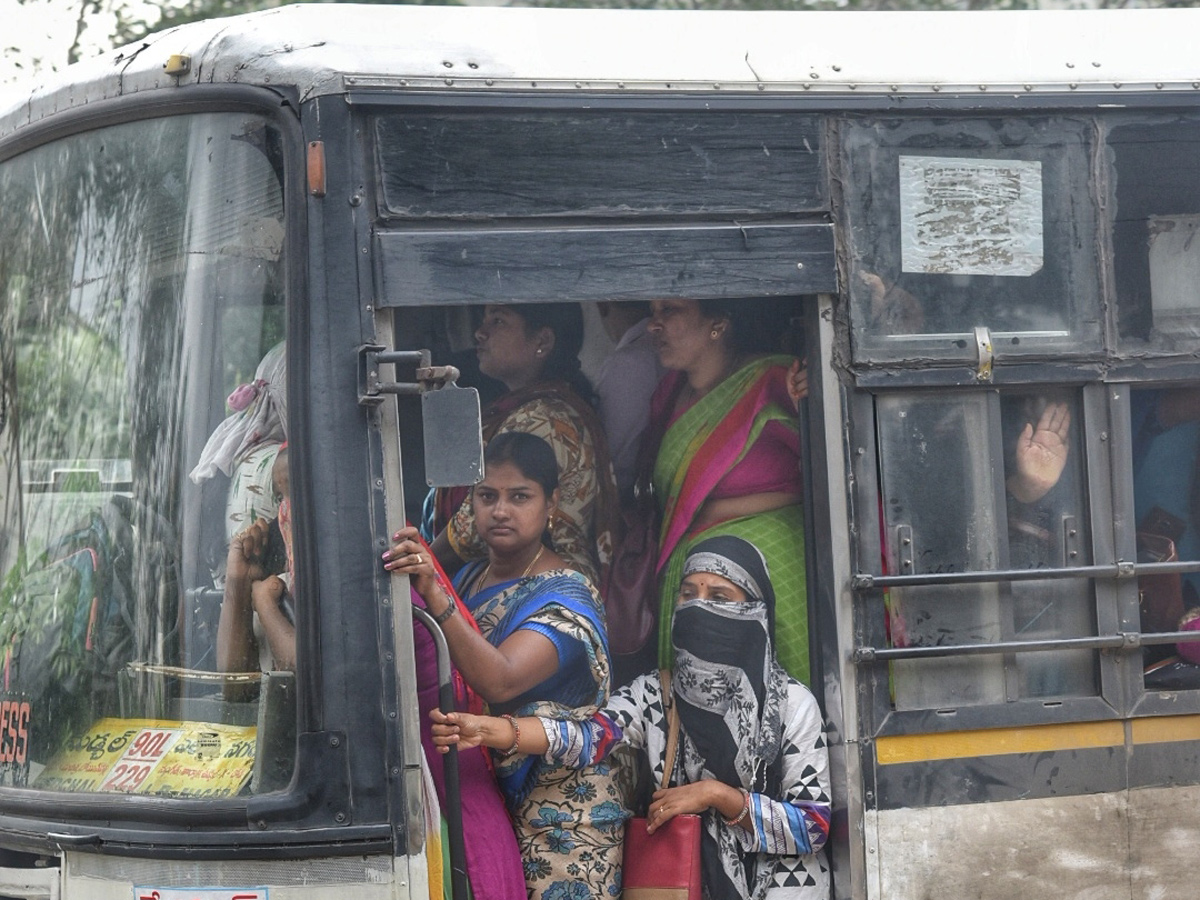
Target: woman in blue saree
x=531, y=641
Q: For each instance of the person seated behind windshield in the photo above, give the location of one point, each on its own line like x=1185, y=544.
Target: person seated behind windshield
x=256, y=631
x=244, y=446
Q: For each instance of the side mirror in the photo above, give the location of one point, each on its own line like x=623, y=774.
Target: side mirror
x=453, y=436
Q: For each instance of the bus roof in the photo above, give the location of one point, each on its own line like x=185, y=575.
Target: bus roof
x=331, y=48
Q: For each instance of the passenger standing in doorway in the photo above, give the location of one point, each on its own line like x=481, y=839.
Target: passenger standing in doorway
x=729, y=462
x=628, y=377
x=540, y=649
x=752, y=758
x=533, y=349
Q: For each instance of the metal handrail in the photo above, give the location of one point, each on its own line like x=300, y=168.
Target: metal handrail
x=1126, y=640
x=454, y=823
x=1120, y=570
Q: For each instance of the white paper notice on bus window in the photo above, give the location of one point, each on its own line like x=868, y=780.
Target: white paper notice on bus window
x=970, y=216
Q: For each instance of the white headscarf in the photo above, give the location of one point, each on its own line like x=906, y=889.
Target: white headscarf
x=260, y=416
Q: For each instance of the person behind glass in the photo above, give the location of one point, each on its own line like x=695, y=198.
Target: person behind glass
x=1035, y=461
x=244, y=445
x=540, y=648
x=1166, y=498
x=752, y=758
x=533, y=349
x=256, y=630
x=625, y=384
x=729, y=460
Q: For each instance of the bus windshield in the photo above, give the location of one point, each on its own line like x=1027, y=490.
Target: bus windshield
x=141, y=286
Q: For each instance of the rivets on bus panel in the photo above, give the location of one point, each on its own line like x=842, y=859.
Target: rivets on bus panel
x=716, y=87
x=799, y=265
x=1158, y=85
x=936, y=88
x=1029, y=87
x=1072, y=85
x=448, y=64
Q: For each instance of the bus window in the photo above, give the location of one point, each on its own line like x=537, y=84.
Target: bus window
x=1156, y=259
x=142, y=285
x=985, y=481
x=1166, y=434
x=962, y=223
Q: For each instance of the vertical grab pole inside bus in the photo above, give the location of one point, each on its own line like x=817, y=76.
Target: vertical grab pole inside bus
x=458, y=856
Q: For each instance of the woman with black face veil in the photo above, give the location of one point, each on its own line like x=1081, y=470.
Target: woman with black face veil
x=752, y=759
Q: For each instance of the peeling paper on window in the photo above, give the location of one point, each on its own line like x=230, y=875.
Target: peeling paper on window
x=970, y=216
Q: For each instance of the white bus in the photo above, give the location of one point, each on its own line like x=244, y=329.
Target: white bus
x=970, y=219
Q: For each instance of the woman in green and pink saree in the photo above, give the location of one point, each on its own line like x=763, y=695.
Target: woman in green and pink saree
x=729, y=460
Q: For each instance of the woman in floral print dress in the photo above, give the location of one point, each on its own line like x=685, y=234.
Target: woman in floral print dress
x=540, y=649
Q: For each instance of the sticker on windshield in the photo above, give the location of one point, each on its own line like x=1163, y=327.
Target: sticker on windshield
x=970, y=216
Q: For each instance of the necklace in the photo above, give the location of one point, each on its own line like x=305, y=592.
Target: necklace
x=529, y=568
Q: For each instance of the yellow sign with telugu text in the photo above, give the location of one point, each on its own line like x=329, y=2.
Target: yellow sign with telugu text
x=148, y=756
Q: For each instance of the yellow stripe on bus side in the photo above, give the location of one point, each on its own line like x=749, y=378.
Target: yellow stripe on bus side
x=1164, y=729
x=910, y=748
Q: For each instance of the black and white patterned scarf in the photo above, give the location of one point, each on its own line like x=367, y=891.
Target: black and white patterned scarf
x=729, y=690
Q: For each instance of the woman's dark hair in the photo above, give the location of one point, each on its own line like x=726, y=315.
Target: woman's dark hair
x=755, y=325
x=566, y=321
x=529, y=453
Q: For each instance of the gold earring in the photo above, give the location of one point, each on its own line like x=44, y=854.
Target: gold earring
x=715, y=334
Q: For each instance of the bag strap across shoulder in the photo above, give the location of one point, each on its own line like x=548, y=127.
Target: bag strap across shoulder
x=664, y=677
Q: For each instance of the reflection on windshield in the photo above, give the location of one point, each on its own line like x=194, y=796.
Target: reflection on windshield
x=140, y=271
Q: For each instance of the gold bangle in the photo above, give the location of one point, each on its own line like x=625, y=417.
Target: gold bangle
x=516, y=735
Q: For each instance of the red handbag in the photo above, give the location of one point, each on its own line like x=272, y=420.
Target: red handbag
x=664, y=865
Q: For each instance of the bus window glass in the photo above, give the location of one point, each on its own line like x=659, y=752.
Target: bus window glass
x=984, y=482
x=1156, y=259
x=1166, y=434
x=141, y=285
x=963, y=223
